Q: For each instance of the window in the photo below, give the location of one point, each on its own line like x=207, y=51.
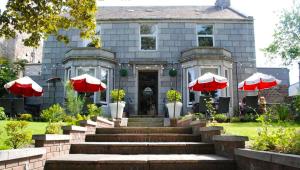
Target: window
x=192, y=74
x=68, y=74
x=89, y=97
x=227, y=89
x=205, y=35
x=104, y=77
x=214, y=70
x=148, y=37
x=98, y=30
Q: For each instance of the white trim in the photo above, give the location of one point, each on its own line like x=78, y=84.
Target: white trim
x=148, y=35
x=107, y=86
x=212, y=35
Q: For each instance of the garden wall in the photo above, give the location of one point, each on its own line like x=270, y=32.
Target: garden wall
x=247, y=159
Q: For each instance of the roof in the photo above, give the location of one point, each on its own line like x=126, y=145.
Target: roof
x=280, y=73
x=168, y=12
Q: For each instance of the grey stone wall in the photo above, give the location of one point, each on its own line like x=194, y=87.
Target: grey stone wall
x=173, y=37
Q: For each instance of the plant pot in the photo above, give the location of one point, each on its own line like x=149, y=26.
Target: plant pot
x=113, y=109
x=178, y=108
x=173, y=122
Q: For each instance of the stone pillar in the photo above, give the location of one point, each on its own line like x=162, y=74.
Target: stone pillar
x=77, y=133
x=90, y=126
x=56, y=145
x=102, y=122
x=207, y=133
x=225, y=145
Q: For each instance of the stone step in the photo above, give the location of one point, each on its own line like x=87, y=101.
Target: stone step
x=145, y=130
x=144, y=124
x=140, y=162
x=145, y=119
x=142, y=148
x=143, y=138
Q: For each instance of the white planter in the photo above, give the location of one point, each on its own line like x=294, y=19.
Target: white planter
x=178, y=108
x=113, y=109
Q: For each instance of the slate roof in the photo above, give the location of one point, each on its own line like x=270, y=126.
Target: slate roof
x=168, y=12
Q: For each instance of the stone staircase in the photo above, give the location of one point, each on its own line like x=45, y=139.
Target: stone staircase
x=145, y=122
x=142, y=148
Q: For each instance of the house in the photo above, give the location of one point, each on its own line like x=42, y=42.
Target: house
x=280, y=92
x=147, y=42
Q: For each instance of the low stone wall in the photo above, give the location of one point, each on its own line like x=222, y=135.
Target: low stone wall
x=23, y=159
x=247, y=159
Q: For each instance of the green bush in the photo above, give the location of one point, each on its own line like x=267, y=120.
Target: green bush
x=282, y=111
x=74, y=103
x=283, y=139
x=17, y=134
x=235, y=119
x=249, y=117
x=173, y=95
x=25, y=116
x=2, y=114
x=74, y=120
x=117, y=95
x=53, y=128
x=199, y=116
x=55, y=113
x=93, y=110
x=220, y=118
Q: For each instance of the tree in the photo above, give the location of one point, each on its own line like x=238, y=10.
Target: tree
x=286, y=43
x=41, y=18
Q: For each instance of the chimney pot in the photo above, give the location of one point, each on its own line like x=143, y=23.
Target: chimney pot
x=222, y=4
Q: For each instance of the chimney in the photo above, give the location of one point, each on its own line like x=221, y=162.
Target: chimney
x=222, y=4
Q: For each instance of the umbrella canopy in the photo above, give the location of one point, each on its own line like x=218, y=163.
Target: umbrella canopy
x=258, y=81
x=24, y=86
x=86, y=84
x=208, y=82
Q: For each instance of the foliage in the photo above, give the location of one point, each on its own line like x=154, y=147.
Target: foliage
x=173, y=72
x=249, y=117
x=96, y=43
x=55, y=113
x=17, y=134
x=25, y=117
x=286, y=42
x=74, y=103
x=7, y=74
x=2, y=114
x=123, y=72
x=199, y=116
x=173, y=95
x=117, y=95
x=220, y=118
x=39, y=19
x=53, y=128
x=211, y=110
x=282, y=111
x=235, y=119
x=74, y=120
x=283, y=139
x=93, y=110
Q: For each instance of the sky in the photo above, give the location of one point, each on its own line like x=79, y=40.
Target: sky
x=265, y=13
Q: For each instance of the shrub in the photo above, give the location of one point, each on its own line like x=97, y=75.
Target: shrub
x=55, y=113
x=74, y=103
x=173, y=95
x=282, y=111
x=2, y=114
x=93, y=110
x=17, y=134
x=25, y=116
x=249, y=117
x=117, y=95
x=220, y=118
x=235, y=119
x=74, y=120
x=283, y=139
x=199, y=116
x=53, y=128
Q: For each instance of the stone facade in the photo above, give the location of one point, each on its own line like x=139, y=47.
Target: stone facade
x=122, y=37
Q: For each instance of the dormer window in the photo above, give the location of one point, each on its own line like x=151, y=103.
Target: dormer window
x=205, y=35
x=148, y=36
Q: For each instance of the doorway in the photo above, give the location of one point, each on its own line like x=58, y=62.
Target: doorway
x=148, y=93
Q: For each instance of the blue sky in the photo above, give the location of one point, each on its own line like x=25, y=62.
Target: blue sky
x=265, y=13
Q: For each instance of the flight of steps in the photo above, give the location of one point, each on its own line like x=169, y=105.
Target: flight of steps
x=145, y=122
x=142, y=148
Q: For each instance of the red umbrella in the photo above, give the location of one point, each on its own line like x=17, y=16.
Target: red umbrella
x=24, y=86
x=86, y=84
x=208, y=82
x=258, y=81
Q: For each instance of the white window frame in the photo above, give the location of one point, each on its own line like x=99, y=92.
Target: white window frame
x=227, y=90
x=219, y=73
x=148, y=35
x=189, y=104
x=107, y=86
x=98, y=29
x=95, y=73
x=212, y=35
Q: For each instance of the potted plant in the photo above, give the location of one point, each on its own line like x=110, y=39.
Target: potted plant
x=174, y=105
x=117, y=106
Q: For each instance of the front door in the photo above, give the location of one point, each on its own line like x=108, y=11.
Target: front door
x=148, y=93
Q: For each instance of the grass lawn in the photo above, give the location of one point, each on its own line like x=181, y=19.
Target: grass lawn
x=33, y=127
x=250, y=128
